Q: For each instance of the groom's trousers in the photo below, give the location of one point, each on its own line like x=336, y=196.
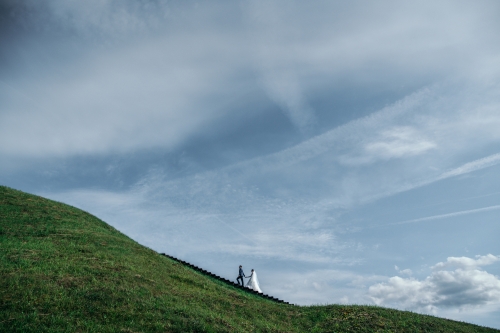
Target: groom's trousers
x=240, y=278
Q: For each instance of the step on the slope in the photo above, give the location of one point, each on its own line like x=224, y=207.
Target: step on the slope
x=224, y=279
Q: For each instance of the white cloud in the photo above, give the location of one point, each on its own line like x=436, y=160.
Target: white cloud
x=399, y=142
x=124, y=99
x=403, y=271
x=114, y=76
x=465, y=286
x=467, y=263
x=178, y=68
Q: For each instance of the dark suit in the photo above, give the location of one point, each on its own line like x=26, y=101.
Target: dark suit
x=241, y=275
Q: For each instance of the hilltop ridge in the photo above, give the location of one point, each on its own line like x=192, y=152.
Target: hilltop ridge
x=64, y=270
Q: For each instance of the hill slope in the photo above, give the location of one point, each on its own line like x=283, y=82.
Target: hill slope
x=64, y=270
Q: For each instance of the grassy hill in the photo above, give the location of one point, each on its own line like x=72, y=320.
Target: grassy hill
x=64, y=270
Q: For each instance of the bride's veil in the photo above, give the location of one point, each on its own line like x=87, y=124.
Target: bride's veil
x=254, y=282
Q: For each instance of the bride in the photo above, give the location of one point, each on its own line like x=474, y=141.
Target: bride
x=253, y=283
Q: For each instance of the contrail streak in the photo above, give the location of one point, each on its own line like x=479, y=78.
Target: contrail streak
x=232, y=228
x=472, y=166
x=443, y=216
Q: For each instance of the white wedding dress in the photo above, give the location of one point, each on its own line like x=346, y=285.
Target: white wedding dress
x=253, y=283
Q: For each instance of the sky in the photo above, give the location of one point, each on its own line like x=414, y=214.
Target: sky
x=349, y=152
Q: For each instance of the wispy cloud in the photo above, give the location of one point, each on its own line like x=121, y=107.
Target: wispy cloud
x=260, y=202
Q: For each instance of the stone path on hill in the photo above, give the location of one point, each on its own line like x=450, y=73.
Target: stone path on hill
x=233, y=284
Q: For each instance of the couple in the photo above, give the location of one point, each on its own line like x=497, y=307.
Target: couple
x=253, y=283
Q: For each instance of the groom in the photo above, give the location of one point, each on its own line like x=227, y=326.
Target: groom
x=241, y=275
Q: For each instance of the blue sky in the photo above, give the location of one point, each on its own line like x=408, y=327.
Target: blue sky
x=348, y=152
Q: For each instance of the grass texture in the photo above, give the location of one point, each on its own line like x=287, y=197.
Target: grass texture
x=64, y=270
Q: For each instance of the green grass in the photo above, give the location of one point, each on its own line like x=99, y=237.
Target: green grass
x=64, y=270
